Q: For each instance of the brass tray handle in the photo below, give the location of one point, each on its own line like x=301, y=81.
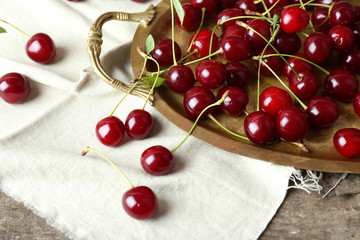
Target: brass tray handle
x=94, y=43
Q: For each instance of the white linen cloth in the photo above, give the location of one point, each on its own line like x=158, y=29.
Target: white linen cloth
x=212, y=194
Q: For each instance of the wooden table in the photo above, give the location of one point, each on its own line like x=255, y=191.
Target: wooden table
x=301, y=216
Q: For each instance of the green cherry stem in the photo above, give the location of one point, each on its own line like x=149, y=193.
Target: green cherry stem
x=217, y=103
x=227, y=130
x=173, y=31
x=87, y=149
x=156, y=79
x=198, y=30
x=1, y=20
x=206, y=57
x=122, y=99
x=271, y=8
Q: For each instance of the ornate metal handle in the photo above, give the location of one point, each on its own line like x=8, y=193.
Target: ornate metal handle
x=94, y=48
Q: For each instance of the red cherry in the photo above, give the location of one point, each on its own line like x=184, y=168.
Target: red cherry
x=163, y=53
x=235, y=103
x=196, y=99
x=14, y=87
x=157, y=160
x=210, y=73
x=260, y=26
x=202, y=43
x=140, y=202
x=322, y=111
x=279, y=3
x=259, y=127
x=234, y=30
x=110, y=131
x=180, y=78
x=287, y=43
x=226, y=3
x=209, y=5
x=342, y=38
x=237, y=74
x=229, y=13
x=41, y=48
x=297, y=64
x=235, y=48
x=138, y=124
x=274, y=62
x=272, y=99
x=246, y=4
x=326, y=2
x=192, y=17
x=356, y=104
x=320, y=20
x=306, y=87
x=342, y=85
x=343, y=13
x=351, y=60
x=347, y=142
x=294, y=19
x=291, y=123
x=318, y=47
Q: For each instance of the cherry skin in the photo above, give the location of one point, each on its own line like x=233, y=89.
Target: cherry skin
x=342, y=38
x=163, y=53
x=322, y=111
x=351, y=60
x=291, y=123
x=196, y=99
x=138, y=124
x=40, y=48
x=260, y=26
x=347, y=142
x=320, y=20
x=297, y=64
x=110, y=131
x=140, y=202
x=237, y=74
x=180, y=78
x=224, y=4
x=343, y=13
x=272, y=99
x=279, y=3
x=14, y=88
x=234, y=30
x=306, y=87
x=235, y=103
x=246, y=4
x=210, y=73
x=318, y=47
x=342, y=85
x=356, y=31
x=259, y=127
x=326, y=2
x=202, y=43
x=294, y=19
x=274, y=62
x=356, y=104
x=287, y=43
x=157, y=160
x=192, y=17
x=209, y=5
x=235, y=48
x=229, y=13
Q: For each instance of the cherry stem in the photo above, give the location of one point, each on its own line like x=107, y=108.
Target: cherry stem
x=156, y=79
x=302, y=5
x=173, y=31
x=206, y=57
x=327, y=17
x=287, y=88
x=1, y=20
x=265, y=7
x=271, y=8
x=217, y=103
x=198, y=30
x=122, y=99
x=87, y=149
x=227, y=130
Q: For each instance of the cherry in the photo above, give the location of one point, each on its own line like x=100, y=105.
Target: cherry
x=180, y=78
x=356, y=104
x=140, y=202
x=237, y=74
x=272, y=99
x=40, y=48
x=210, y=73
x=110, y=131
x=157, y=160
x=192, y=17
x=320, y=20
x=297, y=64
x=298, y=1
x=347, y=142
x=356, y=31
x=209, y=5
x=343, y=13
x=294, y=19
x=226, y=3
x=322, y=111
x=196, y=99
x=351, y=60
x=235, y=103
x=287, y=43
x=342, y=38
x=279, y=3
x=234, y=30
x=291, y=123
x=306, y=87
x=246, y=4
x=274, y=62
x=235, y=48
x=259, y=127
x=202, y=43
x=326, y=2
x=14, y=88
x=342, y=84
x=318, y=47
x=138, y=124
x=260, y=26
x=163, y=53
x=229, y=13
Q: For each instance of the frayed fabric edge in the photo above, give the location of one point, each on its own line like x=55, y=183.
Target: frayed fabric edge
x=308, y=182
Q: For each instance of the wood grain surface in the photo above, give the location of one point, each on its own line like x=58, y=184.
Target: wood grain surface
x=301, y=216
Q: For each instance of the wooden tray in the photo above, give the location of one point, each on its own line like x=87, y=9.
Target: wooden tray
x=322, y=155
